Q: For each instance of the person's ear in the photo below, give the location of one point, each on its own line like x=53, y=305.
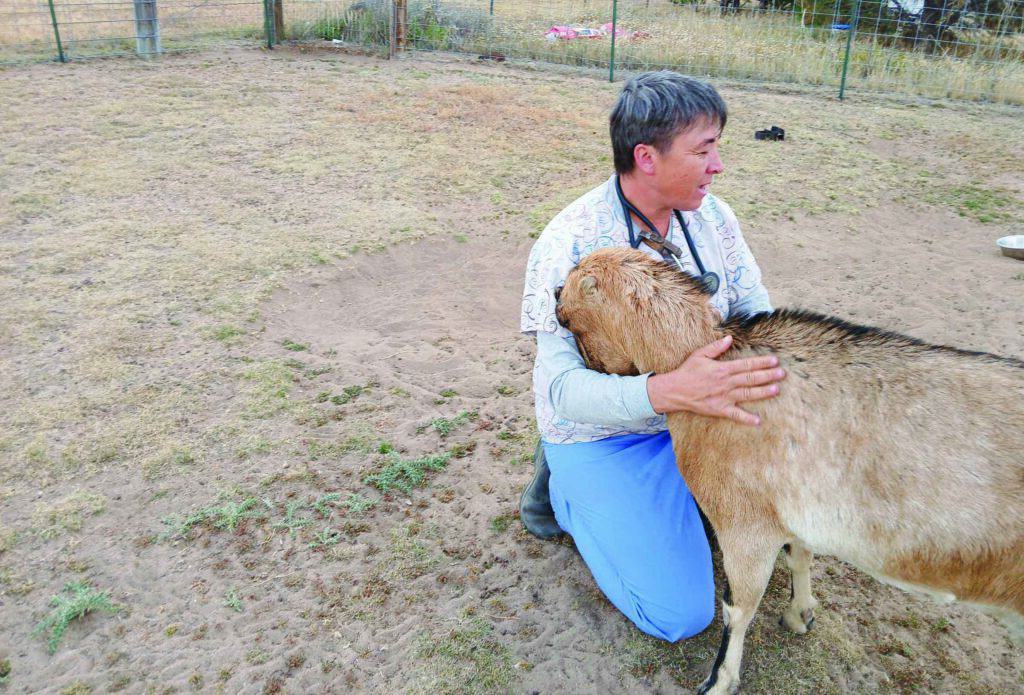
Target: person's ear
x=643, y=155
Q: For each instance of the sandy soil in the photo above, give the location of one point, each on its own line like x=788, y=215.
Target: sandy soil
x=223, y=350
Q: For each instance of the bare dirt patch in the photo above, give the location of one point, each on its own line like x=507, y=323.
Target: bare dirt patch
x=262, y=382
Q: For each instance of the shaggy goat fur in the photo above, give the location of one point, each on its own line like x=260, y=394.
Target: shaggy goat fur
x=903, y=458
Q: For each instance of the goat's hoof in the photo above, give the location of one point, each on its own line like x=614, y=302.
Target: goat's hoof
x=723, y=685
x=798, y=621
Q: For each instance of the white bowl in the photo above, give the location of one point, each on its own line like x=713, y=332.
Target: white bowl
x=1012, y=246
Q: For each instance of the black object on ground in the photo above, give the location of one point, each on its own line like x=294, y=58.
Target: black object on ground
x=773, y=133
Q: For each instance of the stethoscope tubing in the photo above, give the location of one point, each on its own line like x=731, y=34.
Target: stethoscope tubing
x=709, y=279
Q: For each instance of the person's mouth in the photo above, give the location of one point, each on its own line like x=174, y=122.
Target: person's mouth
x=703, y=188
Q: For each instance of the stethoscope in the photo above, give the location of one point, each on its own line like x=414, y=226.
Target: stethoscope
x=668, y=250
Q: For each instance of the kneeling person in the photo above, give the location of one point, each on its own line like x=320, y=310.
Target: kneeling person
x=605, y=468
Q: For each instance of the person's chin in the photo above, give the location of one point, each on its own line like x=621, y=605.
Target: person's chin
x=694, y=202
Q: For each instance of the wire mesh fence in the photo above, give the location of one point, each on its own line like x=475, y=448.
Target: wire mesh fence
x=32, y=30
x=966, y=49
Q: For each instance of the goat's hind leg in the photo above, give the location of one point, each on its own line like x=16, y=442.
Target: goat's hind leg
x=799, y=617
x=749, y=558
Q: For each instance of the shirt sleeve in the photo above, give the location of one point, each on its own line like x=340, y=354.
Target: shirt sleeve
x=757, y=302
x=583, y=395
x=746, y=292
x=554, y=254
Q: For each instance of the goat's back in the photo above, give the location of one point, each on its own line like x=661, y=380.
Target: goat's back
x=904, y=458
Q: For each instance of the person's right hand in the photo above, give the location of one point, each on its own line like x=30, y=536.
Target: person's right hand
x=708, y=386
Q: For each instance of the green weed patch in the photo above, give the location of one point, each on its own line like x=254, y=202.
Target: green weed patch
x=83, y=600
x=225, y=517
x=444, y=426
x=405, y=474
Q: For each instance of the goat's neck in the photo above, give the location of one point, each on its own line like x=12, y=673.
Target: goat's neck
x=675, y=335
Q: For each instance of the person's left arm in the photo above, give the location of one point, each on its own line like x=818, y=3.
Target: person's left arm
x=748, y=293
x=756, y=302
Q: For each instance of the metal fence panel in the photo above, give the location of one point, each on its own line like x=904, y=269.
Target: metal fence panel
x=964, y=49
x=113, y=27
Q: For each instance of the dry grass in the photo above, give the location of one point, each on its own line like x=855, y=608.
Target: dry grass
x=116, y=274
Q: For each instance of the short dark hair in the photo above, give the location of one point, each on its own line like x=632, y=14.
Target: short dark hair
x=654, y=107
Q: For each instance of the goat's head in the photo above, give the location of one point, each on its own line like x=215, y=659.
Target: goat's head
x=631, y=313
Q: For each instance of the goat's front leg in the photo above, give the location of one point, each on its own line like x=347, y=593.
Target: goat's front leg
x=749, y=557
x=799, y=617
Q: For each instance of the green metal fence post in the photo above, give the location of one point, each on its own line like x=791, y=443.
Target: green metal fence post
x=56, y=32
x=268, y=22
x=849, y=42
x=611, y=62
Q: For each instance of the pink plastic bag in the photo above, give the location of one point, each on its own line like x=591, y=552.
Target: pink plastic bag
x=560, y=32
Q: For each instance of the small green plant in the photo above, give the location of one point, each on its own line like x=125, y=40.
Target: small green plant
x=232, y=600
x=444, y=426
x=83, y=600
x=506, y=390
x=1019, y=276
x=7, y=539
x=449, y=393
x=362, y=443
x=405, y=474
x=289, y=344
x=462, y=449
x=290, y=520
x=327, y=537
x=400, y=392
x=257, y=656
x=226, y=517
x=227, y=333
x=500, y=524
x=347, y=394
x=322, y=504
x=5, y=670
x=356, y=504
x=305, y=369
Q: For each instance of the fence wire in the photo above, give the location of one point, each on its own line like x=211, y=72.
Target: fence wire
x=961, y=49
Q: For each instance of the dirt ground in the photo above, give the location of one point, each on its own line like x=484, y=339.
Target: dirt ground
x=244, y=291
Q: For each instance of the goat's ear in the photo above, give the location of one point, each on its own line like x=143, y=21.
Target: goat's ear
x=588, y=285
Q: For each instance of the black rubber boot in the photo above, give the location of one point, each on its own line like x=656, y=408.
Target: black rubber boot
x=535, y=503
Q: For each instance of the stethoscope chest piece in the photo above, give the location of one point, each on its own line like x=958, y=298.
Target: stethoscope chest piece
x=710, y=281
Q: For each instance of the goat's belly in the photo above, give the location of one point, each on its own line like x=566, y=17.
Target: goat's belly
x=839, y=531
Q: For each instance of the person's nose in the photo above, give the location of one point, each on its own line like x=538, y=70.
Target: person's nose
x=715, y=165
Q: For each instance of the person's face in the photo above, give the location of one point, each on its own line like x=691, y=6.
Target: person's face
x=683, y=173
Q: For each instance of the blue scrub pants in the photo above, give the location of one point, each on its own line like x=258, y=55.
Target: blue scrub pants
x=638, y=529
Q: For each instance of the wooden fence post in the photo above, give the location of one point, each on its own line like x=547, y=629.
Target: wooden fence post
x=278, y=20
x=401, y=21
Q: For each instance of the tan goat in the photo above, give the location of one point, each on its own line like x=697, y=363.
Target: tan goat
x=903, y=458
